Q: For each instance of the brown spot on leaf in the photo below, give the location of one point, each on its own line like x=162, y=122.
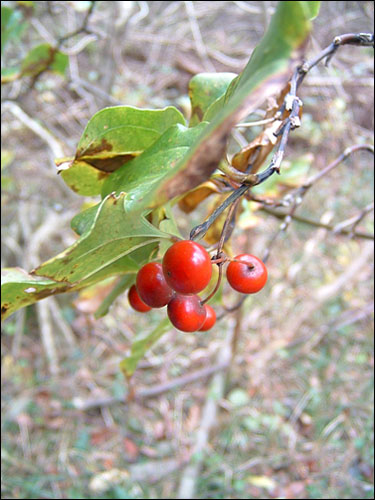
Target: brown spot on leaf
x=102, y=175
x=109, y=164
x=94, y=149
x=196, y=111
x=37, y=67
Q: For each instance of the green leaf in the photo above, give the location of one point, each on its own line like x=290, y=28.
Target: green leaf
x=288, y=29
x=116, y=243
x=19, y=289
x=141, y=346
x=167, y=221
x=275, y=47
x=44, y=57
x=123, y=284
x=83, y=179
x=178, y=160
x=11, y=25
x=112, y=138
x=214, y=108
x=84, y=220
x=129, y=263
x=116, y=238
x=164, y=219
x=140, y=178
x=266, y=74
x=107, y=245
x=10, y=74
x=311, y=9
x=204, y=89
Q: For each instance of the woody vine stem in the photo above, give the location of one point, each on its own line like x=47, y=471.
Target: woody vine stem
x=293, y=104
x=247, y=180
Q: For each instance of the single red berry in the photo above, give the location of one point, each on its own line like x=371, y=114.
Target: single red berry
x=136, y=302
x=246, y=274
x=187, y=267
x=152, y=287
x=210, y=319
x=186, y=312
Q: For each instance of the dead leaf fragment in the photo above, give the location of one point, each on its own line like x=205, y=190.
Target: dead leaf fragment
x=256, y=152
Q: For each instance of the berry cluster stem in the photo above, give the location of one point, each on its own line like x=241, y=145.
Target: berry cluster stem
x=217, y=284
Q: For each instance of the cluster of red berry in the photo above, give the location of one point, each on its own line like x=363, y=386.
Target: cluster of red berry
x=185, y=271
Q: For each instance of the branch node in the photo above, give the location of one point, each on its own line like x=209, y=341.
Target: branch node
x=337, y=41
x=295, y=122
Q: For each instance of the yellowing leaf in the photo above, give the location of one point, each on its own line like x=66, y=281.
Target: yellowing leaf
x=112, y=138
x=193, y=198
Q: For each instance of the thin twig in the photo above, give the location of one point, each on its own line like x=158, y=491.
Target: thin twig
x=199, y=43
x=359, y=39
x=233, y=308
x=35, y=127
x=256, y=123
x=343, y=156
x=237, y=332
x=18, y=334
x=295, y=199
x=250, y=180
x=61, y=322
x=151, y=391
x=293, y=104
x=347, y=318
x=46, y=330
x=200, y=230
x=355, y=220
x=108, y=342
x=216, y=286
x=346, y=232
x=82, y=29
x=227, y=227
x=220, y=258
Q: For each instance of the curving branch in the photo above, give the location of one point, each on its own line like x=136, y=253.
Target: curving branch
x=292, y=104
x=295, y=199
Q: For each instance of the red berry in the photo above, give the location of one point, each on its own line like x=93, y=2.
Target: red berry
x=186, y=312
x=136, y=302
x=187, y=267
x=246, y=274
x=152, y=287
x=210, y=319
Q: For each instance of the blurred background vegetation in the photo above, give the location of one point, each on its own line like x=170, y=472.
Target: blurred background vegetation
x=296, y=417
